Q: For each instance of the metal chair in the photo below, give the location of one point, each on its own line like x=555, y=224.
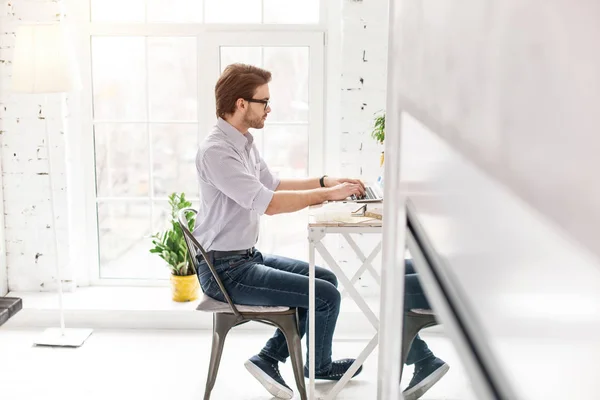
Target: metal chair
x=228, y=315
x=414, y=321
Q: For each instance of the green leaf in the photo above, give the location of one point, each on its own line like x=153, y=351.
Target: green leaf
x=170, y=245
x=378, y=132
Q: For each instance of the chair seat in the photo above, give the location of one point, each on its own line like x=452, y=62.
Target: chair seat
x=208, y=304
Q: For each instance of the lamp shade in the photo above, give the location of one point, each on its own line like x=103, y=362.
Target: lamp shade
x=43, y=61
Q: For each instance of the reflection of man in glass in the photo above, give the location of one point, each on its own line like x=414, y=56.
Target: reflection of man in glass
x=236, y=188
x=428, y=368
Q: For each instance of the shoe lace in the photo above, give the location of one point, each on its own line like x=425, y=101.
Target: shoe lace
x=339, y=368
x=275, y=368
x=417, y=371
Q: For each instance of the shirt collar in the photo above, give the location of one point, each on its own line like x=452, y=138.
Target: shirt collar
x=238, y=139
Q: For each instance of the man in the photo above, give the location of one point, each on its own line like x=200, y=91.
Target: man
x=428, y=368
x=236, y=188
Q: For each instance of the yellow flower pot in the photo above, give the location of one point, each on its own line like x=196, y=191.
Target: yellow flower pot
x=381, y=159
x=184, y=288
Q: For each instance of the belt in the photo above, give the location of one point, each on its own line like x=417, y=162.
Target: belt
x=217, y=254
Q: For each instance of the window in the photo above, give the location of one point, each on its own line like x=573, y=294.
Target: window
x=152, y=93
x=207, y=11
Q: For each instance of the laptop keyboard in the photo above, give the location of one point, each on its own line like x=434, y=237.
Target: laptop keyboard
x=369, y=195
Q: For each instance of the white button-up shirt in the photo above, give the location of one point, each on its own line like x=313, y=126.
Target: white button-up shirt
x=236, y=187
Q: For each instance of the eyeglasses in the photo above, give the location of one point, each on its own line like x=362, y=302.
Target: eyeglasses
x=267, y=103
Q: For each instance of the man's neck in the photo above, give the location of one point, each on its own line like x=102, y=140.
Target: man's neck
x=239, y=125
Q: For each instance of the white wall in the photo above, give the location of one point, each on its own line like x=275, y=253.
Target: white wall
x=22, y=120
x=364, y=75
x=3, y=268
x=514, y=85
x=30, y=255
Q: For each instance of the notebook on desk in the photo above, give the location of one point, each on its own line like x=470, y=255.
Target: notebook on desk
x=375, y=212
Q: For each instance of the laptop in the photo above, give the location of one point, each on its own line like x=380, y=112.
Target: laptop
x=373, y=193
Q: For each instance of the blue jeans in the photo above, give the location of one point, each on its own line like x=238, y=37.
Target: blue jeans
x=278, y=281
x=414, y=297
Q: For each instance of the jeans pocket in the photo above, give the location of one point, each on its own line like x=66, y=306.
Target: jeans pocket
x=236, y=261
x=237, y=268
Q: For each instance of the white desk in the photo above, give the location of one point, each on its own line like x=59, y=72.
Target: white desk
x=316, y=232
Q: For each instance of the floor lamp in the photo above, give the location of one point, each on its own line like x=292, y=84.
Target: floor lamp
x=43, y=64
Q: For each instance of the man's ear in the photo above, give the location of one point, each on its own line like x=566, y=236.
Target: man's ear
x=240, y=104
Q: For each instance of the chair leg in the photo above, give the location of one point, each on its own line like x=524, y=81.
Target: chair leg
x=222, y=323
x=412, y=325
x=289, y=326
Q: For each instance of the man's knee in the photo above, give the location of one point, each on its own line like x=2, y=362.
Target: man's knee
x=328, y=294
x=329, y=277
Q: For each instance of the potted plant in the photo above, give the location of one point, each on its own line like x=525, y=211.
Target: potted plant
x=171, y=247
x=378, y=132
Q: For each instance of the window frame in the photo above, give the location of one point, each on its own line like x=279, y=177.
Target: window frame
x=84, y=235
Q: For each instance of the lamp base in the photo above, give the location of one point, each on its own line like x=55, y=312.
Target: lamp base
x=57, y=338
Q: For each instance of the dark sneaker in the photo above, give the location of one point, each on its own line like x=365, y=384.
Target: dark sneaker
x=424, y=378
x=268, y=375
x=337, y=370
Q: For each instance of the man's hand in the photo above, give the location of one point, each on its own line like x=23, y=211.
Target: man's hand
x=345, y=190
x=331, y=182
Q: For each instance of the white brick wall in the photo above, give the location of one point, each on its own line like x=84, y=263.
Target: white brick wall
x=23, y=118
x=22, y=135
x=364, y=75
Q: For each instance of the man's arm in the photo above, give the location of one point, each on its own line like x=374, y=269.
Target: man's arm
x=286, y=201
x=299, y=184
x=313, y=183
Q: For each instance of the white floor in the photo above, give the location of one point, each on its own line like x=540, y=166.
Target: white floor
x=172, y=364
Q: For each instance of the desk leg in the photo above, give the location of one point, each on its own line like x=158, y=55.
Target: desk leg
x=311, y=317
x=365, y=260
x=350, y=373
x=343, y=279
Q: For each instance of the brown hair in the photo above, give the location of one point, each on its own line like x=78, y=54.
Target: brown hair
x=238, y=81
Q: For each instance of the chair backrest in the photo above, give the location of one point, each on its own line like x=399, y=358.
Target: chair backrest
x=194, y=247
